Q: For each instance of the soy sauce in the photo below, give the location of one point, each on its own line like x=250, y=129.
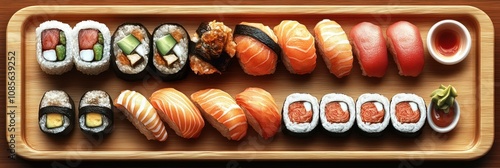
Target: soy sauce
x=447, y=42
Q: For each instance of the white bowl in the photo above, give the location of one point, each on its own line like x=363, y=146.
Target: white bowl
x=464, y=37
x=449, y=127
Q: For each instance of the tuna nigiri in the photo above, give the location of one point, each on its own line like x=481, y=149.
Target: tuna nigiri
x=178, y=112
x=406, y=47
x=369, y=46
x=222, y=112
x=297, y=45
x=334, y=46
x=256, y=48
x=261, y=111
x=142, y=114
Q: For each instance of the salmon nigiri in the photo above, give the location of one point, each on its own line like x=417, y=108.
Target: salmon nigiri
x=142, y=114
x=178, y=112
x=297, y=45
x=261, y=111
x=222, y=112
x=256, y=48
x=334, y=46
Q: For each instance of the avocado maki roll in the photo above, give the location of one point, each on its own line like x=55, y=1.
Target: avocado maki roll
x=300, y=114
x=92, y=45
x=131, y=51
x=170, y=52
x=95, y=114
x=53, y=47
x=56, y=114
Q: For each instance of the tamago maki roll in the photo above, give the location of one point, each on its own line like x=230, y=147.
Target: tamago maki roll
x=170, y=52
x=300, y=114
x=53, y=51
x=130, y=51
x=95, y=114
x=56, y=114
x=92, y=45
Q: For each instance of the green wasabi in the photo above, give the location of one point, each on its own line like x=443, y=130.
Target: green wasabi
x=444, y=97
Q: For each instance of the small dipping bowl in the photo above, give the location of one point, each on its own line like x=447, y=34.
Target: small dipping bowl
x=448, y=128
x=448, y=42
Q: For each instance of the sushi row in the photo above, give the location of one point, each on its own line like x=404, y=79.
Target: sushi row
x=56, y=113
x=187, y=116
x=338, y=113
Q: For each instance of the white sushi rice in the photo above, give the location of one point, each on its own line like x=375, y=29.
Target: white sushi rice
x=57, y=67
x=122, y=32
x=94, y=67
x=301, y=127
x=182, y=49
x=96, y=98
x=372, y=127
x=337, y=127
x=408, y=127
x=55, y=98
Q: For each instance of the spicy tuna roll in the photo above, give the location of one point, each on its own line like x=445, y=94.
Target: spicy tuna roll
x=372, y=113
x=408, y=113
x=53, y=51
x=56, y=114
x=170, y=52
x=130, y=51
x=92, y=45
x=300, y=114
x=337, y=113
x=95, y=114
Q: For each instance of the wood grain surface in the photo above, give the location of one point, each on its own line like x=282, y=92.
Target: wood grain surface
x=414, y=161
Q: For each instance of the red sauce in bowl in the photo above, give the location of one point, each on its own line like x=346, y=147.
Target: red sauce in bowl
x=447, y=42
x=442, y=119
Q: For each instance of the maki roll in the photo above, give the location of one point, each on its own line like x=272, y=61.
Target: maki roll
x=91, y=47
x=57, y=113
x=300, y=114
x=256, y=48
x=408, y=113
x=95, y=113
x=337, y=113
x=130, y=51
x=170, y=52
x=53, y=48
x=372, y=113
x=213, y=49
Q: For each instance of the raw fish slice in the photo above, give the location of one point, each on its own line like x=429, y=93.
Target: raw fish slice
x=297, y=45
x=142, y=114
x=369, y=46
x=407, y=48
x=222, y=112
x=334, y=46
x=178, y=111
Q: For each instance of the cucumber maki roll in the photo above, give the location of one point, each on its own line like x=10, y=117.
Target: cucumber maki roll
x=170, y=46
x=300, y=114
x=56, y=114
x=53, y=47
x=372, y=113
x=337, y=113
x=92, y=45
x=131, y=51
x=95, y=114
x=408, y=114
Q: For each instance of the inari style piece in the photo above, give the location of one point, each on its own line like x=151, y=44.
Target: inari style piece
x=372, y=113
x=142, y=114
x=337, y=113
x=53, y=47
x=256, y=48
x=95, y=113
x=130, y=51
x=334, y=47
x=92, y=45
x=261, y=111
x=178, y=112
x=406, y=47
x=213, y=49
x=56, y=114
x=222, y=112
x=369, y=47
x=170, y=52
x=300, y=114
x=297, y=46
x=408, y=113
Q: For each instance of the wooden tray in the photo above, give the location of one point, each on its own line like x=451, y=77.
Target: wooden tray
x=473, y=78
